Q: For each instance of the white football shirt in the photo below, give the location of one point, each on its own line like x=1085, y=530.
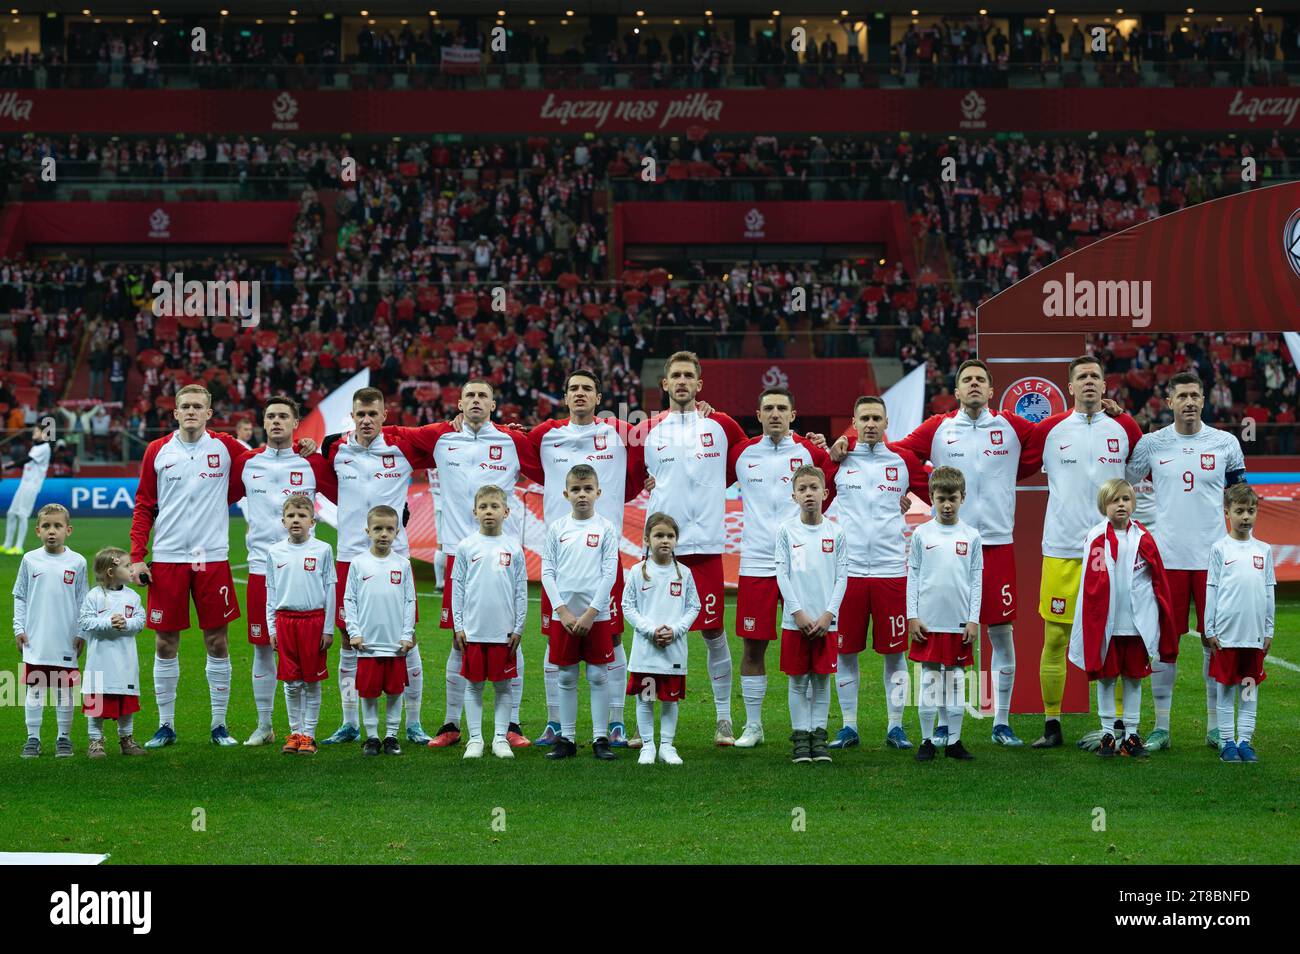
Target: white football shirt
x=1240, y=589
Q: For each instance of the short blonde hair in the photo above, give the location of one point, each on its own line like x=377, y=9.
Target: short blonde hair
x=688, y=356
x=1112, y=489
x=300, y=502
x=490, y=490
x=194, y=389
x=380, y=510
x=808, y=470
x=53, y=508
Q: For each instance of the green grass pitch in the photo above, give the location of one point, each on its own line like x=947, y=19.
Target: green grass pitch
x=193, y=803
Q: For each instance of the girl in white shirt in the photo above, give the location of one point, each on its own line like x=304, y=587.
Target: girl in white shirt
x=111, y=616
x=661, y=603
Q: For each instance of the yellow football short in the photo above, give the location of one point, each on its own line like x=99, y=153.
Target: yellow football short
x=1059, y=589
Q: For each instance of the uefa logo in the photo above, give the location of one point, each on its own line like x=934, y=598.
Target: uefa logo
x=1033, y=398
x=1291, y=241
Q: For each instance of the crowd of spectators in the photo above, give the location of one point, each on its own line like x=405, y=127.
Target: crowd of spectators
x=965, y=50
x=402, y=283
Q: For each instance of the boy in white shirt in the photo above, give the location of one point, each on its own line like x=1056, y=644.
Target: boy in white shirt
x=48, y=594
x=490, y=581
x=379, y=608
x=111, y=616
x=1239, y=613
x=1124, y=616
x=812, y=572
x=300, y=591
x=945, y=570
x=579, y=567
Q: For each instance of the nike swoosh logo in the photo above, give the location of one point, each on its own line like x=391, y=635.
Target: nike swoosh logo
x=475, y=559
x=281, y=566
x=364, y=578
x=850, y=472
x=644, y=588
x=35, y=575
x=952, y=440
x=1229, y=562
x=168, y=466
x=452, y=450
x=795, y=546
x=1166, y=461
x=931, y=546
x=1064, y=446
x=752, y=466
x=661, y=447
x=229, y=611
x=257, y=476
x=1006, y=612
x=563, y=539
x=893, y=645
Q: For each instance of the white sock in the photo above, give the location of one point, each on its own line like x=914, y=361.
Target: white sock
x=956, y=680
x=1162, y=691
x=1226, y=704
x=414, y=692
x=598, y=681
x=517, y=685
x=64, y=706
x=848, y=679
x=34, y=710
x=503, y=706
x=370, y=716
x=1106, y=704
x=719, y=675
x=752, y=690
x=667, y=723
x=348, y=683
x=1133, y=706
x=1003, y=667
x=1211, y=693
x=439, y=567
x=928, y=704
x=821, y=700
x=393, y=714
x=125, y=725
x=895, y=679
x=218, y=672
x=550, y=678
x=311, y=708
x=567, y=680
x=645, y=720
x=1248, y=707
x=166, y=675
x=456, y=688
x=474, y=710
x=264, y=684
x=95, y=727
x=616, y=684
x=293, y=705
x=800, y=704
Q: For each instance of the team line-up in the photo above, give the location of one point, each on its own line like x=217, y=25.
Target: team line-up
x=1115, y=593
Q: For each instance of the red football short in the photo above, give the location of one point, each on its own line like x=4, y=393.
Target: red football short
x=945, y=648
x=488, y=662
x=445, y=619
x=801, y=655
x=706, y=569
x=756, y=601
x=614, y=625
x=1232, y=667
x=1125, y=656
x=666, y=688
x=212, y=587
x=51, y=677
x=999, y=584
x=379, y=675
x=596, y=648
x=1187, y=587
x=110, y=706
x=298, y=637
x=880, y=601
x=258, y=634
